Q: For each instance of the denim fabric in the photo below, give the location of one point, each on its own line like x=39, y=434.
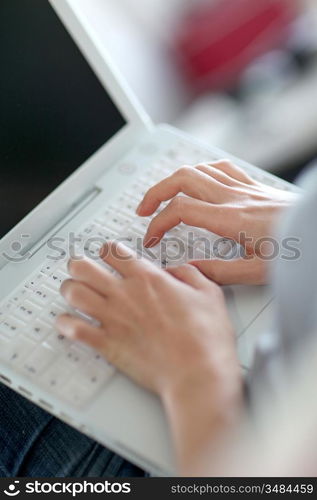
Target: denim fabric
x=35, y=444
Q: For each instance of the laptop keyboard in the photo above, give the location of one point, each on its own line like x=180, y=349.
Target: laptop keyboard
x=73, y=372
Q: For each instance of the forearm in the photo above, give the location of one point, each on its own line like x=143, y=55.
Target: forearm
x=204, y=414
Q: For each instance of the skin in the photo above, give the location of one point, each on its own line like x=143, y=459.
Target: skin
x=223, y=199
x=170, y=330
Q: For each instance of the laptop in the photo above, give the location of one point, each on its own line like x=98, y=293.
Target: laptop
x=77, y=154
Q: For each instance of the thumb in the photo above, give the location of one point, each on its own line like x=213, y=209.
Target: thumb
x=247, y=271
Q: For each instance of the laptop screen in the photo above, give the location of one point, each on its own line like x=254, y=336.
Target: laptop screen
x=54, y=112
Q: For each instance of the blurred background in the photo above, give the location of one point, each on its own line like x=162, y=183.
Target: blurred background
x=239, y=74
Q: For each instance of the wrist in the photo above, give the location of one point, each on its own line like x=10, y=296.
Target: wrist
x=217, y=388
x=204, y=412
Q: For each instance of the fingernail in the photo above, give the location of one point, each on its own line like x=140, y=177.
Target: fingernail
x=63, y=328
x=146, y=240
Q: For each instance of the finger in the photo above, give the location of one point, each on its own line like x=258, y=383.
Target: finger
x=241, y=271
x=83, y=298
x=186, y=180
x=77, y=329
x=190, y=275
x=124, y=260
x=92, y=274
x=215, y=218
x=217, y=174
x=233, y=171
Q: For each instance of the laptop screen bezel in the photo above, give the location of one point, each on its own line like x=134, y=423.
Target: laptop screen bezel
x=63, y=199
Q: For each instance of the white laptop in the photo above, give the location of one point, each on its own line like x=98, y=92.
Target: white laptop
x=77, y=153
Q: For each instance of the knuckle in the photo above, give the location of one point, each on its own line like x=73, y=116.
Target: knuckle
x=149, y=275
x=188, y=269
x=177, y=203
x=225, y=162
x=184, y=171
x=202, y=165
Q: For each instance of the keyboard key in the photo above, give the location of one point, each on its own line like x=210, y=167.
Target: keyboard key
x=4, y=346
x=39, y=360
x=101, y=218
x=92, y=250
x=20, y=296
x=27, y=311
x=34, y=281
x=91, y=378
x=154, y=175
x=63, y=266
x=39, y=330
x=11, y=326
x=130, y=239
x=74, y=355
x=18, y=350
x=97, y=372
x=104, y=233
x=55, y=280
x=126, y=205
x=57, y=375
x=52, y=313
x=85, y=348
x=139, y=189
x=61, y=302
x=43, y=295
x=89, y=230
x=140, y=226
x=57, y=341
x=76, y=393
x=100, y=361
x=117, y=222
x=48, y=267
x=6, y=308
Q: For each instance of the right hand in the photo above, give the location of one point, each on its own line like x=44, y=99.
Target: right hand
x=223, y=199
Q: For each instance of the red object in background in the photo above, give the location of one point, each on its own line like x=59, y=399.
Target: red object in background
x=217, y=40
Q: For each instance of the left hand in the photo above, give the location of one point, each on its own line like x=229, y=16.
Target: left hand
x=160, y=328
x=222, y=198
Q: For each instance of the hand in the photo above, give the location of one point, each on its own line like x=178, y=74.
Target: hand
x=223, y=199
x=157, y=327
x=169, y=332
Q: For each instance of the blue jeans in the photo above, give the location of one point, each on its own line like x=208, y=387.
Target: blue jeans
x=33, y=443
